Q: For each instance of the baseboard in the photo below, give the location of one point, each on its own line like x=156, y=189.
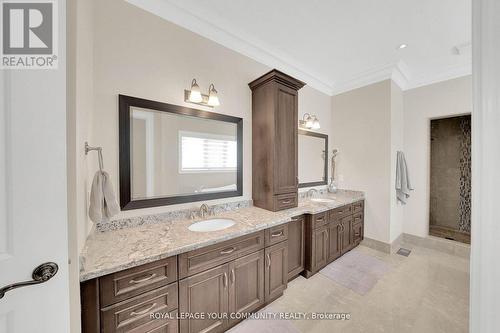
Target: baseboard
x=376, y=245
x=439, y=244
x=407, y=240
x=396, y=244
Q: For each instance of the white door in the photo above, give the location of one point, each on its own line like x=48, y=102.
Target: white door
x=33, y=217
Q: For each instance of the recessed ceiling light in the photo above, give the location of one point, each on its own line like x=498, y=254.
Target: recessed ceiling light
x=402, y=46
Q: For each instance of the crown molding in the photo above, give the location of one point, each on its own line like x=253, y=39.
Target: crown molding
x=398, y=72
x=449, y=73
x=401, y=74
x=254, y=49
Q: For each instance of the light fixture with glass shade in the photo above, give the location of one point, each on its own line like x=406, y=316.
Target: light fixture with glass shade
x=195, y=92
x=315, y=124
x=309, y=122
x=195, y=96
x=213, y=99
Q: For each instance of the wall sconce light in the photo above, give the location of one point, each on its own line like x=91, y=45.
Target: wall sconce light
x=195, y=96
x=309, y=122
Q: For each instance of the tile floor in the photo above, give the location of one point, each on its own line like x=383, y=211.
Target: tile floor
x=425, y=292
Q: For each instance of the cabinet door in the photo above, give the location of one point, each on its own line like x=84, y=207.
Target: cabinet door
x=246, y=284
x=320, y=247
x=276, y=272
x=296, y=246
x=285, y=149
x=334, y=241
x=347, y=233
x=205, y=293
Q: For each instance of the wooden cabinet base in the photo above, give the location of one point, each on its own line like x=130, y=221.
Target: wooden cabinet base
x=331, y=234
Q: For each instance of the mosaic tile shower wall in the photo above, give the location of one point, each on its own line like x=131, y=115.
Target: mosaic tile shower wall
x=465, y=174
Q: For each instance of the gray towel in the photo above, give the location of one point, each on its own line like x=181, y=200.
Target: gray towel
x=403, y=185
x=103, y=202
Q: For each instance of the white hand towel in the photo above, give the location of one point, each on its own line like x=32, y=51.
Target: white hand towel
x=111, y=207
x=403, y=184
x=103, y=202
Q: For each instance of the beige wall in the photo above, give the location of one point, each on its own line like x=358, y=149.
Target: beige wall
x=448, y=98
x=139, y=54
x=361, y=130
x=397, y=143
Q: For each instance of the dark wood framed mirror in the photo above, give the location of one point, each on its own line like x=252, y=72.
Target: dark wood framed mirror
x=312, y=158
x=171, y=154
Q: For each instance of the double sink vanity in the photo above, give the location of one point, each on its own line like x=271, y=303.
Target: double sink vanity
x=132, y=277
x=205, y=270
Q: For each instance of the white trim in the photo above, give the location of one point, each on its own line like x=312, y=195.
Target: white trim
x=5, y=219
x=148, y=117
x=266, y=54
x=485, y=267
x=401, y=75
x=365, y=78
x=246, y=45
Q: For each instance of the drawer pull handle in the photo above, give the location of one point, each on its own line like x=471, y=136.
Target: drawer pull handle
x=224, y=281
x=319, y=219
x=228, y=251
x=277, y=234
x=285, y=202
x=232, y=276
x=357, y=234
x=268, y=260
x=144, y=279
x=139, y=313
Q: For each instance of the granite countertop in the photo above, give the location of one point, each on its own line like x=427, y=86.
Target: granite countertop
x=115, y=250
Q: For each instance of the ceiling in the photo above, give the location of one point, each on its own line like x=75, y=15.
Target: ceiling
x=337, y=45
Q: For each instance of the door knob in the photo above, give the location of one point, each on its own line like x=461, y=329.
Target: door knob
x=41, y=274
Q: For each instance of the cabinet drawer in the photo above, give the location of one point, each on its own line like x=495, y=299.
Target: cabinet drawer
x=196, y=261
x=133, y=314
x=340, y=212
x=276, y=234
x=285, y=201
x=319, y=220
x=122, y=285
x=358, y=207
x=358, y=218
x=160, y=326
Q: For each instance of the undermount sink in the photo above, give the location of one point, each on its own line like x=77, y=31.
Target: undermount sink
x=324, y=200
x=211, y=225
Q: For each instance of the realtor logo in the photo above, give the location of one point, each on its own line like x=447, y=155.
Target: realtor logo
x=29, y=34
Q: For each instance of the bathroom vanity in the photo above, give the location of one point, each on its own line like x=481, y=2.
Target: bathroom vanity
x=233, y=274
x=176, y=272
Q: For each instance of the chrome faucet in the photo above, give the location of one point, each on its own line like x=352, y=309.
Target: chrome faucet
x=311, y=192
x=204, y=211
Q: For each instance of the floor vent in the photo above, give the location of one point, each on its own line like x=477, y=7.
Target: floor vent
x=404, y=252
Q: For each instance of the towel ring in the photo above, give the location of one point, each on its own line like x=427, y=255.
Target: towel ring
x=99, y=154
